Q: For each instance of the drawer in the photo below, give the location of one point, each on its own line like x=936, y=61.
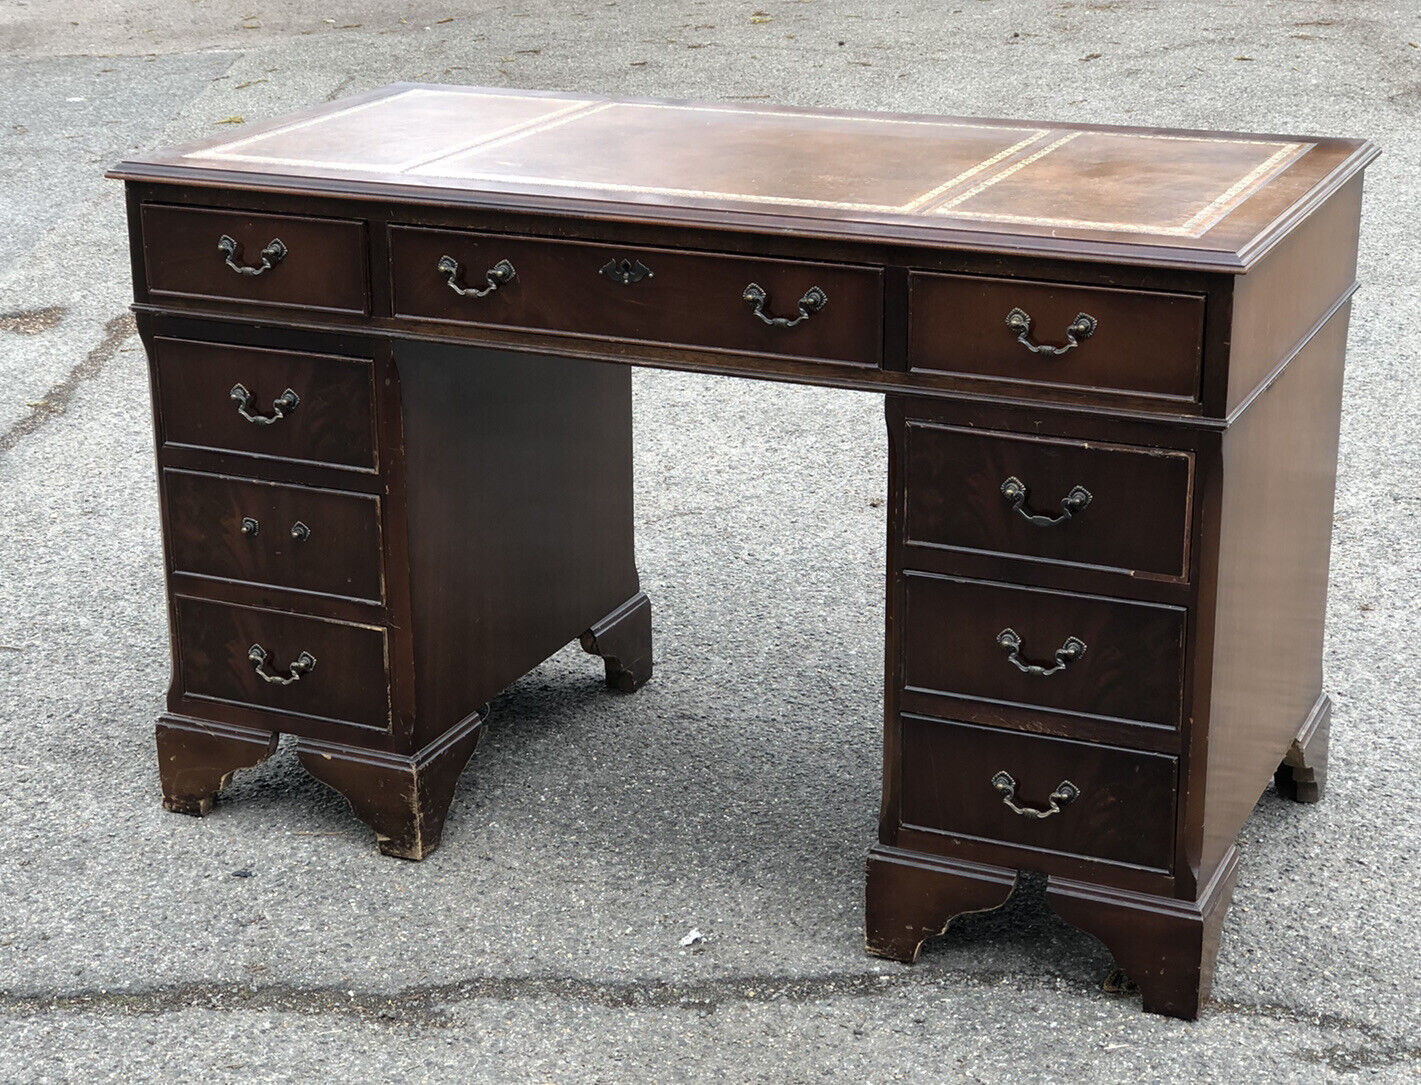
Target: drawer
x=1114, y=804
x=347, y=682
x=1143, y=343
x=311, y=540
x=956, y=641
x=688, y=299
x=320, y=264
x=1053, y=500
x=333, y=421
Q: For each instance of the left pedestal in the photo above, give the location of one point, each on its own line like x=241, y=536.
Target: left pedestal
x=366, y=541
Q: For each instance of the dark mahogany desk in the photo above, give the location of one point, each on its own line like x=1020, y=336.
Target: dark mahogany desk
x=396, y=468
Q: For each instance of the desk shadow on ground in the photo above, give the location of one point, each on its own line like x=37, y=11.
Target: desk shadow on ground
x=690, y=826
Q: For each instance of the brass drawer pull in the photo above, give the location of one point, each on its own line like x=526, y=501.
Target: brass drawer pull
x=283, y=405
x=1014, y=490
x=1083, y=327
x=501, y=274
x=299, y=531
x=273, y=254
x=305, y=663
x=814, y=299
x=626, y=272
x=1067, y=654
x=1065, y=794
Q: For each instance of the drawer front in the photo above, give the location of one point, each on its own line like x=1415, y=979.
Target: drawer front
x=1130, y=668
x=1055, y=500
x=1122, y=809
x=688, y=299
x=321, y=266
x=333, y=421
x=311, y=540
x=347, y=683
x=1148, y=344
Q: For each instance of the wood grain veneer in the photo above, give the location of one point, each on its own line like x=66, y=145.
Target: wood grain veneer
x=464, y=461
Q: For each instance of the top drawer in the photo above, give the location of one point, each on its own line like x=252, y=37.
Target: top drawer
x=818, y=312
x=1139, y=343
x=236, y=256
x=288, y=405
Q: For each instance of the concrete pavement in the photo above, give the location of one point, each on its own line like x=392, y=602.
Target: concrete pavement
x=736, y=793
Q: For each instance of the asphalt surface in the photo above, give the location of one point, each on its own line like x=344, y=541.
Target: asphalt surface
x=738, y=792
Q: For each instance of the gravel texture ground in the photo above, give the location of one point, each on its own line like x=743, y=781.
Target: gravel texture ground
x=738, y=792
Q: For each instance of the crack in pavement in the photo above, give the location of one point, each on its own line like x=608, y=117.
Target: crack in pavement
x=32, y=321
x=56, y=401
x=428, y=1006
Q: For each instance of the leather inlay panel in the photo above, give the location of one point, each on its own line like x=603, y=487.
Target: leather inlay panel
x=1131, y=182
x=1205, y=199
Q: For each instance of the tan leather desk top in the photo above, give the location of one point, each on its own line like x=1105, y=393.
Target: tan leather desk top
x=1191, y=199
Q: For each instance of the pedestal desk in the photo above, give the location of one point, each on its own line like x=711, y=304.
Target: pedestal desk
x=390, y=341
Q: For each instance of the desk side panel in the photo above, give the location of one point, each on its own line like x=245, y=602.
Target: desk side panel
x=1278, y=304
x=1279, y=470
x=518, y=470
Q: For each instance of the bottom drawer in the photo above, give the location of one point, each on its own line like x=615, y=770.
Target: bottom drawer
x=342, y=677
x=1122, y=809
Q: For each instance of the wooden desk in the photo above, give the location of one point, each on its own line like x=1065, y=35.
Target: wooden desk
x=396, y=467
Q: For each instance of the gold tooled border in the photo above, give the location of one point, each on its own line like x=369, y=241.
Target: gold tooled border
x=1196, y=225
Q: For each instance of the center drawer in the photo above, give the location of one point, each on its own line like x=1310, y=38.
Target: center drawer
x=323, y=541
x=1112, y=659
x=819, y=312
x=325, y=670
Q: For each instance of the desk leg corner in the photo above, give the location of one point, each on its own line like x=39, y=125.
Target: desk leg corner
x=913, y=897
x=405, y=799
x=197, y=759
x=623, y=640
x=1302, y=775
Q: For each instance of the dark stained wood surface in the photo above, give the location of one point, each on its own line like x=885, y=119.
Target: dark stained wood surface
x=1167, y=947
x=1274, y=536
x=348, y=685
x=403, y=797
x=323, y=269
x=1146, y=344
x=912, y=897
x=537, y=546
x=235, y=529
x=197, y=759
x=1279, y=306
x=1137, y=519
x=334, y=422
x=1124, y=813
x=1131, y=669
x=495, y=442
x=690, y=298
